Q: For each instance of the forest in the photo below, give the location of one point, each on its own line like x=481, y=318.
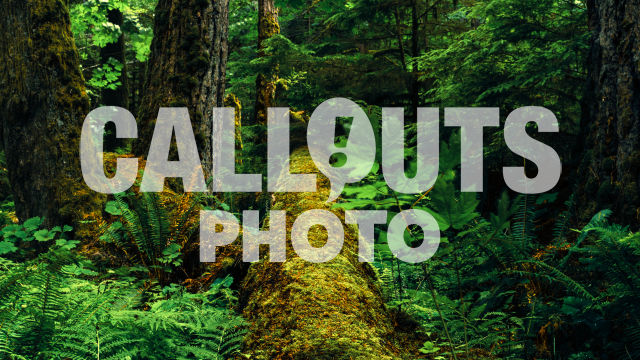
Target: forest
x=89, y=275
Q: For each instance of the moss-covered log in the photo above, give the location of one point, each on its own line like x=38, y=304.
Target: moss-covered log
x=186, y=67
x=612, y=113
x=43, y=103
x=303, y=310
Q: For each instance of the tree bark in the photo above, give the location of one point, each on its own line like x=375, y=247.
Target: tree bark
x=186, y=68
x=303, y=310
x=612, y=114
x=116, y=50
x=43, y=103
x=415, y=52
x=265, y=83
x=120, y=95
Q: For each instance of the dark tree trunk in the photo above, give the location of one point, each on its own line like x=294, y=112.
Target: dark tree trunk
x=415, y=52
x=136, y=85
x=265, y=83
x=43, y=103
x=612, y=114
x=120, y=95
x=116, y=50
x=186, y=67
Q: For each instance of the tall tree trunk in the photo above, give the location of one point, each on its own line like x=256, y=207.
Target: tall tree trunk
x=186, y=67
x=415, y=52
x=43, y=103
x=120, y=95
x=303, y=310
x=612, y=113
x=116, y=50
x=265, y=83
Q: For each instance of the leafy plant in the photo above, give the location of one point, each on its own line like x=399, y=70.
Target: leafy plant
x=152, y=232
x=20, y=241
x=49, y=310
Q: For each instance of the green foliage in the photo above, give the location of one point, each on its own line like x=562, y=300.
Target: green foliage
x=317, y=54
x=520, y=53
x=494, y=287
x=21, y=241
x=50, y=310
x=92, y=31
x=456, y=214
x=490, y=286
x=107, y=76
x=91, y=27
x=510, y=280
x=151, y=234
x=7, y=212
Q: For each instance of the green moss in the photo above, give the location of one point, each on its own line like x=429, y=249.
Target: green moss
x=302, y=310
x=65, y=99
x=231, y=100
x=269, y=26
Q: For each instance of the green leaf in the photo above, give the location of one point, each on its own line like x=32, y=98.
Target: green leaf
x=7, y=247
x=9, y=230
x=33, y=223
x=20, y=234
x=429, y=348
x=67, y=244
x=44, y=235
x=457, y=210
x=113, y=208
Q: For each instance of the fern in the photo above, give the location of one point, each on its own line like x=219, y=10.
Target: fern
x=51, y=313
x=152, y=233
x=523, y=223
x=556, y=276
x=597, y=222
x=562, y=223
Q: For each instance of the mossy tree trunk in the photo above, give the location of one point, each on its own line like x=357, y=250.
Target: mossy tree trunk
x=43, y=103
x=186, y=68
x=265, y=83
x=612, y=113
x=302, y=310
x=231, y=100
